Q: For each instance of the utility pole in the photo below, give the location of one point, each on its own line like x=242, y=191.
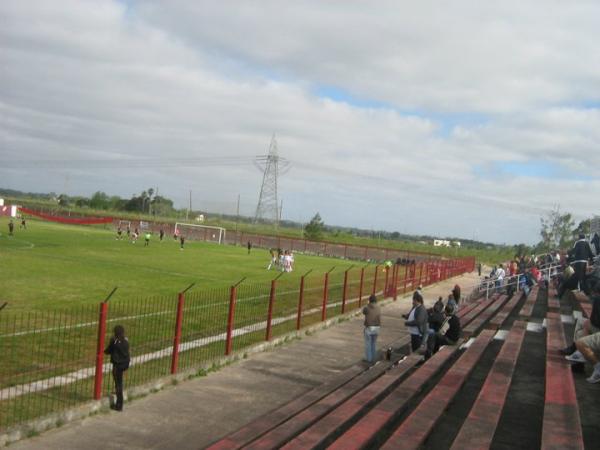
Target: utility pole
x=189, y=208
x=237, y=215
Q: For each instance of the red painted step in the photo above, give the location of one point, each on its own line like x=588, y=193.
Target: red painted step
x=261, y=425
x=478, y=429
x=414, y=430
x=506, y=311
x=562, y=425
x=484, y=317
x=322, y=431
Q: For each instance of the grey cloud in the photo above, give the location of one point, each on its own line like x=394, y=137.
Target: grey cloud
x=179, y=82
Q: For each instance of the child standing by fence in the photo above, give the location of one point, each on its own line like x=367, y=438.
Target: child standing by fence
x=118, y=349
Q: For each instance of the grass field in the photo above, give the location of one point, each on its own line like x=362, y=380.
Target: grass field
x=54, y=276
x=52, y=265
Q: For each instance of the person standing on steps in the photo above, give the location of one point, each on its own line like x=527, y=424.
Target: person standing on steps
x=582, y=253
x=372, y=324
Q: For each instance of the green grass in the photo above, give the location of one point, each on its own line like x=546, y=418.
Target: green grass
x=492, y=255
x=53, y=265
x=54, y=277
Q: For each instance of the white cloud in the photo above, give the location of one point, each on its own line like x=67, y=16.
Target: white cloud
x=465, y=86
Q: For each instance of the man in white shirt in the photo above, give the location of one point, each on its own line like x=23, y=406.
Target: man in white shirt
x=500, y=274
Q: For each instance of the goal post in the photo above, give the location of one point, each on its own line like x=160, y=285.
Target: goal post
x=124, y=223
x=194, y=231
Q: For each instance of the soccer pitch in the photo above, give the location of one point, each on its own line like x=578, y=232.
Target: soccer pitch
x=51, y=265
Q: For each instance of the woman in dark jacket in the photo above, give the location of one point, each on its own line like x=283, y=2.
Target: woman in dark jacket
x=416, y=321
x=118, y=349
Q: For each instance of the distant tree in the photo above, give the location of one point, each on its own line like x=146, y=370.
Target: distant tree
x=522, y=250
x=314, y=229
x=99, y=200
x=162, y=206
x=116, y=203
x=82, y=202
x=582, y=228
x=63, y=200
x=556, y=230
x=135, y=203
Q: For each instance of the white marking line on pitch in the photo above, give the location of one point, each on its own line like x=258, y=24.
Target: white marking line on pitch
x=88, y=372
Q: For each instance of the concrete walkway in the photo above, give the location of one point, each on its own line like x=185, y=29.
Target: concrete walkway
x=197, y=412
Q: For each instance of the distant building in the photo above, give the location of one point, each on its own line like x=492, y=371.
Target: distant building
x=445, y=243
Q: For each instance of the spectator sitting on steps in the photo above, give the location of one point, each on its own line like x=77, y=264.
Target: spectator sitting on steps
x=449, y=333
x=417, y=322
x=584, y=328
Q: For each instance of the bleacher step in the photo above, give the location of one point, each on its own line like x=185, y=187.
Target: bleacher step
x=478, y=430
x=414, y=430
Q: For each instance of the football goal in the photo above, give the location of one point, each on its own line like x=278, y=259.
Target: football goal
x=124, y=224
x=200, y=232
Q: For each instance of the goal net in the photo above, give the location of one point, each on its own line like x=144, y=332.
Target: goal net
x=123, y=224
x=200, y=232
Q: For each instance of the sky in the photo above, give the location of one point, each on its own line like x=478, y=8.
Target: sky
x=461, y=119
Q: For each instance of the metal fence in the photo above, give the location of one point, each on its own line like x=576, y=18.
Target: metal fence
x=53, y=360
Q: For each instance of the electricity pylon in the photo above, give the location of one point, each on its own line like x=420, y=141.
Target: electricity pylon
x=268, y=207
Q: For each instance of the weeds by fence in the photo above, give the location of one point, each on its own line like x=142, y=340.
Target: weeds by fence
x=53, y=360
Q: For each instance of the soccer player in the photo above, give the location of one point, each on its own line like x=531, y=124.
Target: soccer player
x=23, y=224
x=273, y=259
x=249, y=246
x=161, y=234
x=128, y=230
x=134, y=237
x=11, y=227
x=181, y=242
x=147, y=239
x=287, y=262
x=119, y=234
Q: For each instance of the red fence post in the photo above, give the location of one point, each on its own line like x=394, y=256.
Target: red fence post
x=230, y=319
x=100, y=350
x=387, y=279
x=344, y=291
x=360, y=287
x=177, y=338
x=395, y=281
x=420, y=273
x=325, y=295
x=375, y=281
x=270, y=312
